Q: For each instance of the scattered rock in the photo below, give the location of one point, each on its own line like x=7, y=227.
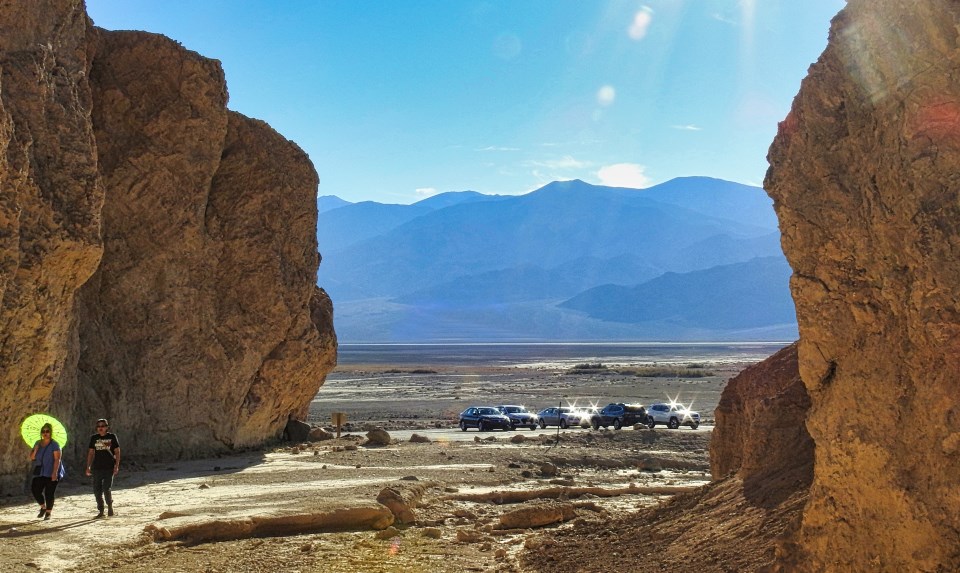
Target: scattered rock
x=548, y=470
x=469, y=535
x=378, y=437
x=401, y=500
x=202, y=486
x=318, y=434
x=518, y=439
x=537, y=514
x=419, y=439
x=433, y=532
x=388, y=533
x=410, y=478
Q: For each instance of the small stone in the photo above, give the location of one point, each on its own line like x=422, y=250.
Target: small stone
x=433, y=532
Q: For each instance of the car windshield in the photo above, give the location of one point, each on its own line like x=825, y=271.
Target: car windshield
x=566, y=410
x=514, y=409
x=487, y=411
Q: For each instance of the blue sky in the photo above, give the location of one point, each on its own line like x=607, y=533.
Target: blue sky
x=395, y=100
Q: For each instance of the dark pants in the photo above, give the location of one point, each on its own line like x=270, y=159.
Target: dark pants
x=44, y=490
x=102, y=482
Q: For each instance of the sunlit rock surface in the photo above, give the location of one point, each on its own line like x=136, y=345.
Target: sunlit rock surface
x=157, y=252
x=865, y=175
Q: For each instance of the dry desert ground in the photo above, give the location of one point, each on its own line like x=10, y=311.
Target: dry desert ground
x=461, y=502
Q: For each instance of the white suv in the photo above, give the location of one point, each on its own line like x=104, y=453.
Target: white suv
x=672, y=416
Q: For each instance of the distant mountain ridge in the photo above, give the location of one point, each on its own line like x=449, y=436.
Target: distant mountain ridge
x=469, y=266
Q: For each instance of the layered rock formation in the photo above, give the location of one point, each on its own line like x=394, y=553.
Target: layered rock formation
x=864, y=175
x=760, y=432
x=157, y=252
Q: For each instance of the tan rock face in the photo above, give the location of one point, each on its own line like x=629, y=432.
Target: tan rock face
x=157, y=252
x=50, y=199
x=760, y=429
x=864, y=178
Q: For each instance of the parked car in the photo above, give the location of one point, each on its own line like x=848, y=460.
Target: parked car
x=672, y=416
x=519, y=416
x=484, y=418
x=559, y=416
x=619, y=415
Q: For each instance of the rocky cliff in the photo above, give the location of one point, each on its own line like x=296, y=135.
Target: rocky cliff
x=760, y=431
x=157, y=251
x=864, y=175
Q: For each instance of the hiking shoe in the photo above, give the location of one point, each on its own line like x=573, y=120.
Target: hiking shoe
x=109, y=511
x=99, y=515
x=46, y=515
x=42, y=511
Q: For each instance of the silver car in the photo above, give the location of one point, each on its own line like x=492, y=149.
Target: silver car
x=559, y=416
x=672, y=416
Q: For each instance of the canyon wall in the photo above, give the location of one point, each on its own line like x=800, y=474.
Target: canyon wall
x=865, y=176
x=158, y=252
x=760, y=432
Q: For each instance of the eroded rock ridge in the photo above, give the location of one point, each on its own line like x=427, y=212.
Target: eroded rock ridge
x=158, y=252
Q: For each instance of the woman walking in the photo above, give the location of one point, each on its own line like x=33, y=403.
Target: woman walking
x=47, y=470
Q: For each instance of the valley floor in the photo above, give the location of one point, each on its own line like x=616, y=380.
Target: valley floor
x=496, y=501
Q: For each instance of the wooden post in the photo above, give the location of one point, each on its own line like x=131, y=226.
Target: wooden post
x=339, y=419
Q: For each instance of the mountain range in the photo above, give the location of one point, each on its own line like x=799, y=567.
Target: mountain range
x=694, y=258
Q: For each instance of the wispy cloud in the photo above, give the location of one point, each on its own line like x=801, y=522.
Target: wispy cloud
x=425, y=191
x=688, y=127
x=641, y=22
x=624, y=175
x=498, y=148
x=726, y=20
x=565, y=162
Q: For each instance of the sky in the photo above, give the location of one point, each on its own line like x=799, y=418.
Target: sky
x=397, y=100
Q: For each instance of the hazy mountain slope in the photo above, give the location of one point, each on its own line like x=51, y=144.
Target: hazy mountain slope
x=726, y=199
x=547, y=228
x=330, y=202
x=355, y=222
x=737, y=296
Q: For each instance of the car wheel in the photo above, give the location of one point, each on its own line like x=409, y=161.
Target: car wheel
x=595, y=423
x=651, y=422
x=543, y=423
x=481, y=426
x=673, y=424
x=617, y=424
x=563, y=423
x=463, y=426
x=533, y=427
x=694, y=425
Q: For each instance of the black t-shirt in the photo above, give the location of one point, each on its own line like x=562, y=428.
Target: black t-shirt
x=103, y=447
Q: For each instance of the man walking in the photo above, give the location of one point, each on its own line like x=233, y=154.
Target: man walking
x=103, y=462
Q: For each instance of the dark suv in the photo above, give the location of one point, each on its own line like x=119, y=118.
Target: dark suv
x=619, y=415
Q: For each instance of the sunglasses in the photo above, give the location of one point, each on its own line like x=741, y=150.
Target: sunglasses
x=44, y=431
x=101, y=426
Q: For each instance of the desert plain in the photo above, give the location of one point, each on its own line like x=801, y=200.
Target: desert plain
x=458, y=501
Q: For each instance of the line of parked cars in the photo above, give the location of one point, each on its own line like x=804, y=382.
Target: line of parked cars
x=511, y=417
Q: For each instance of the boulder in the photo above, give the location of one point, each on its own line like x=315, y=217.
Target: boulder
x=537, y=514
x=297, y=431
x=863, y=174
x=318, y=434
x=402, y=500
x=419, y=439
x=378, y=437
